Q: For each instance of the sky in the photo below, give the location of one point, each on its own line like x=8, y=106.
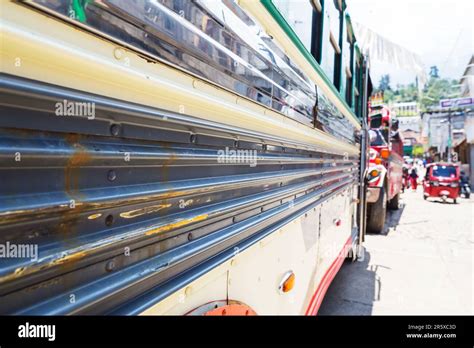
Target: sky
x=440, y=31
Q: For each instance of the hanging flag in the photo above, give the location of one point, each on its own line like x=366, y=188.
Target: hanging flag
x=382, y=49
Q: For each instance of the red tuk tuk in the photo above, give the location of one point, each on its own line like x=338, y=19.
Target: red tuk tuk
x=442, y=180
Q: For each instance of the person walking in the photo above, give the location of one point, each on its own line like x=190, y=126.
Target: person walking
x=405, y=178
x=413, y=178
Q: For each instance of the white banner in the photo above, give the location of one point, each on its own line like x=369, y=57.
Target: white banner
x=379, y=48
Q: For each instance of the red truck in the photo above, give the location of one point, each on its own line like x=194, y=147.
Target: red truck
x=384, y=175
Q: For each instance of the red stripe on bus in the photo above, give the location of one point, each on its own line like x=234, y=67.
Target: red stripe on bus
x=323, y=286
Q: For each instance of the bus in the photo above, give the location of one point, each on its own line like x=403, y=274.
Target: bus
x=179, y=157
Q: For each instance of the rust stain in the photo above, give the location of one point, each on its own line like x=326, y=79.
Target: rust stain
x=147, y=210
x=69, y=258
x=94, y=216
x=174, y=225
x=165, y=178
x=17, y=273
x=71, y=171
x=67, y=226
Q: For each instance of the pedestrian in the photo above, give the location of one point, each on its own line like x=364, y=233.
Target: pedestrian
x=413, y=178
x=405, y=178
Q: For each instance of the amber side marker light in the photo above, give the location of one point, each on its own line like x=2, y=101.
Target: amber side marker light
x=373, y=173
x=385, y=153
x=287, y=283
x=378, y=160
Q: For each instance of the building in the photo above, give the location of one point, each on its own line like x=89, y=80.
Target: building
x=444, y=128
x=466, y=148
x=411, y=142
x=405, y=109
x=409, y=124
x=467, y=80
x=412, y=123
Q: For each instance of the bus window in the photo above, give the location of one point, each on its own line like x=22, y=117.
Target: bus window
x=335, y=37
x=348, y=87
x=350, y=76
x=348, y=52
x=331, y=54
x=358, y=88
x=318, y=31
x=299, y=15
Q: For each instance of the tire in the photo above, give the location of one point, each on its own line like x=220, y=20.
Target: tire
x=467, y=195
x=377, y=213
x=455, y=200
x=393, y=203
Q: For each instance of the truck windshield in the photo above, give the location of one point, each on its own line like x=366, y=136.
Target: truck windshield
x=444, y=171
x=378, y=139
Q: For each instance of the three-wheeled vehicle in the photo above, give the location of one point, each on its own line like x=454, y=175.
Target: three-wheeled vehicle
x=442, y=181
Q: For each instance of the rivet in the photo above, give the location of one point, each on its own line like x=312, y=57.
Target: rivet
x=115, y=130
x=109, y=220
x=118, y=53
x=110, y=266
x=111, y=175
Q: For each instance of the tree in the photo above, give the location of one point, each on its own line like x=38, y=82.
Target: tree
x=402, y=93
x=434, y=72
x=437, y=89
x=384, y=84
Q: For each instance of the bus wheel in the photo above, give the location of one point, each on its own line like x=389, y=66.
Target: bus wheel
x=393, y=203
x=378, y=211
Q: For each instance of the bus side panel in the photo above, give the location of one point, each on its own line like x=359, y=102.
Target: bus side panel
x=255, y=276
x=209, y=288
x=313, y=250
x=313, y=247
x=158, y=234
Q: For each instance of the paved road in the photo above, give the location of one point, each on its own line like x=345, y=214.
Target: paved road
x=421, y=264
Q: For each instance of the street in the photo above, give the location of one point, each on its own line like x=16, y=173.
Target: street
x=421, y=265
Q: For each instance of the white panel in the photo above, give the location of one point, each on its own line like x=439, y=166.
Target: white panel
x=256, y=274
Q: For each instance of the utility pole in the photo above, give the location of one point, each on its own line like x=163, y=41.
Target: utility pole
x=450, y=137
